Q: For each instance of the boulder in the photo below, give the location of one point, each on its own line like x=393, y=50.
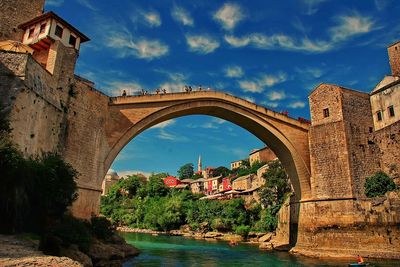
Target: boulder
x=266, y=246
x=99, y=251
x=265, y=238
x=212, y=234
x=74, y=253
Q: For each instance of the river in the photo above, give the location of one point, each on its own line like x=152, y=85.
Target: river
x=163, y=250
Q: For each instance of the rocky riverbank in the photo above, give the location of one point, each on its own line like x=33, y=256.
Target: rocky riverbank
x=265, y=241
x=15, y=251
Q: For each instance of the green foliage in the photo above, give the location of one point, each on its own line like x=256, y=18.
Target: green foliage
x=33, y=190
x=242, y=230
x=378, y=184
x=221, y=170
x=156, y=187
x=268, y=221
x=73, y=231
x=197, y=176
x=101, y=227
x=186, y=171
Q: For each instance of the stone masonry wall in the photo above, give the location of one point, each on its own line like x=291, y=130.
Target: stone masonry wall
x=358, y=126
x=16, y=12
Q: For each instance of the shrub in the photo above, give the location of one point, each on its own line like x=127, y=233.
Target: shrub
x=73, y=231
x=378, y=184
x=243, y=230
x=101, y=227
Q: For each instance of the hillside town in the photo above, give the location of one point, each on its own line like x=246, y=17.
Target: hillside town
x=205, y=181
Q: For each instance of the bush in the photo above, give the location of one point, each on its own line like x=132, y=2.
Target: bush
x=101, y=227
x=378, y=184
x=243, y=230
x=73, y=231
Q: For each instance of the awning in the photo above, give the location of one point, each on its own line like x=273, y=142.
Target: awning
x=15, y=46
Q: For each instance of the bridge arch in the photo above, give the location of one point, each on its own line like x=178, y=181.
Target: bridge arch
x=287, y=137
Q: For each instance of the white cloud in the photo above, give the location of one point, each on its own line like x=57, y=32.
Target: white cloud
x=350, y=25
x=347, y=26
x=164, y=124
x=249, y=98
x=116, y=88
x=126, y=46
x=171, y=137
x=54, y=2
x=278, y=41
x=233, y=71
x=237, y=42
x=152, y=18
x=258, y=85
x=270, y=80
x=310, y=72
x=229, y=15
x=218, y=120
x=181, y=15
x=276, y=95
x=133, y=172
x=297, y=104
x=381, y=4
x=270, y=104
x=250, y=86
x=202, y=44
x=88, y=4
x=312, y=6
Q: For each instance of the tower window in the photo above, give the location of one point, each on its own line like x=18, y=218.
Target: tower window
x=31, y=32
x=43, y=28
x=379, y=115
x=391, y=111
x=326, y=112
x=72, y=40
x=59, y=31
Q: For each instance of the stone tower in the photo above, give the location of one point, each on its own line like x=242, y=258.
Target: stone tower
x=15, y=12
x=394, y=58
x=199, y=167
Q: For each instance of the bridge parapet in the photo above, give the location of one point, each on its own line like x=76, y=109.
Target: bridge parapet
x=199, y=95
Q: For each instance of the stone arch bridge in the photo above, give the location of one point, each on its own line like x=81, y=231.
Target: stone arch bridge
x=128, y=116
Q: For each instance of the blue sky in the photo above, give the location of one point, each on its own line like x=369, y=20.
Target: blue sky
x=272, y=53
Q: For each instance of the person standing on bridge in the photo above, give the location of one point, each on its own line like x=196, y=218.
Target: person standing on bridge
x=123, y=93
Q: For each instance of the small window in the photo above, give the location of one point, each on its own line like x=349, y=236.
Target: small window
x=59, y=31
x=391, y=111
x=326, y=112
x=43, y=28
x=31, y=32
x=72, y=40
x=379, y=115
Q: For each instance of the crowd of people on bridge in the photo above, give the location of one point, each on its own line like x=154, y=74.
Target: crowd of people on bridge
x=186, y=88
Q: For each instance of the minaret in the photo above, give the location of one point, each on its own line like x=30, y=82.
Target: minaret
x=199, y=164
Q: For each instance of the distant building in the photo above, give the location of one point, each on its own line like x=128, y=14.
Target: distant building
x=243, y=182
x=110, y=179
x=197, y=186
x=236, y=164
x=211, y=185
x=171, y=181
x=226, y=184
x=208, y=172
x=385, y=98
x=264, y=154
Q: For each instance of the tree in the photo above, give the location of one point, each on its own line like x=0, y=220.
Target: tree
x=378, y=184
x=156, y=187
x=221, y=170
x=186, y=171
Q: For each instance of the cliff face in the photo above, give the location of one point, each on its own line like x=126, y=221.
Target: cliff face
x=368, y=227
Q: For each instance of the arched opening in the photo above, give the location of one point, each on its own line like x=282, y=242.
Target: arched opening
x=258, y=125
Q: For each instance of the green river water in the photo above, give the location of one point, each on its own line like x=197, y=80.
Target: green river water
x=178, y=251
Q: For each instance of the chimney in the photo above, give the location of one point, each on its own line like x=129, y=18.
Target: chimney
x=394, y=58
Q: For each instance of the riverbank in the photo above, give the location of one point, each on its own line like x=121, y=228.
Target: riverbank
x=263, y=240
x=19, y=251
x=15, y=251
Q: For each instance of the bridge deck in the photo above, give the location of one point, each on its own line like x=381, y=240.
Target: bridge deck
x=203, y=95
